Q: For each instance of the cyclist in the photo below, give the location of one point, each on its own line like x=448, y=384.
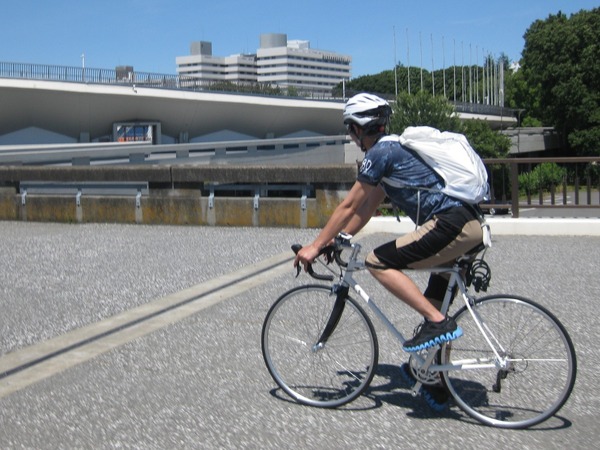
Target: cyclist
x=448, y=227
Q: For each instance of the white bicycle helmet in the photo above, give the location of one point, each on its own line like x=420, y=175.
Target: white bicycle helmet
x=367, y=111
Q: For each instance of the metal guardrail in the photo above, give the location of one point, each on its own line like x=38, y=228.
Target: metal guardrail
x=78, y=189
x=89, y=188
x=258, y=190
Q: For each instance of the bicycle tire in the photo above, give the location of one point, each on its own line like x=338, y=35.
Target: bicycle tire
x=328, y=376
x=541, y=370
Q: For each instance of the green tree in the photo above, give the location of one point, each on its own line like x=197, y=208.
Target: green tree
x=543, y=177
x=487, y=142
x=423, y=109
x=385, y=83
x=382, y=83
x=561, y=63
x=520, y=95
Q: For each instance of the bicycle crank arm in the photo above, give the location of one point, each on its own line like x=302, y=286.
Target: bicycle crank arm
x=416, y=389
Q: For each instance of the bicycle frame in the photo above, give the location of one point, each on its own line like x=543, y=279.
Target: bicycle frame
x=347, y=282
x=320, y=345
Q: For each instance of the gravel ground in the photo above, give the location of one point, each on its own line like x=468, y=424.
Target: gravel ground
x=57, y=277
x=201, y=382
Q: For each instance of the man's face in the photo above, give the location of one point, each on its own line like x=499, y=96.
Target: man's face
x=354, y=133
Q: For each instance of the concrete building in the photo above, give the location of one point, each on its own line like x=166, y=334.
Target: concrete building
x=202, y=65
x=290, y=65
x=34, y=111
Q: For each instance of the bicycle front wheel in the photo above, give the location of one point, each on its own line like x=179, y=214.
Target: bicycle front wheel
x=530, y=377
x=324, y=374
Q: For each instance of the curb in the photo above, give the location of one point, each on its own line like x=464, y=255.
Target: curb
x=503, y=226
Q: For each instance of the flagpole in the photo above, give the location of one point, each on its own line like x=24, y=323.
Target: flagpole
x=444, y=66
x=421, y=50
x=432, y=67
x=395, y=65
x=462, y=70
x=408, y=60
x=454, y=67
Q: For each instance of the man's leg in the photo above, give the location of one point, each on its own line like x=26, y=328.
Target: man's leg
x=436, y=289
x=435, y=243
x=436, y=328
x=406, y=290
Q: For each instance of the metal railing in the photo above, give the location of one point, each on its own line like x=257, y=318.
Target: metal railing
x=482, y=109
x=579, y=188
x=123, y=76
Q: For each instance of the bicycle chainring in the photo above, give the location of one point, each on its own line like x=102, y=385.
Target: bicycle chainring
x=424, y=376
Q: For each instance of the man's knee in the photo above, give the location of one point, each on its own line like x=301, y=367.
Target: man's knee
x=374, y=264
x=383, y=258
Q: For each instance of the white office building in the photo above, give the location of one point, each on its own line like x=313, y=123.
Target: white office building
x=205, y=67
x=292, y=66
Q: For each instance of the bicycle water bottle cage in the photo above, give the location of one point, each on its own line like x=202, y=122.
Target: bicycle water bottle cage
x=479, y=275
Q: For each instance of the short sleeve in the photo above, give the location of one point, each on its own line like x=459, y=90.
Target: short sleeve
x=374, y=166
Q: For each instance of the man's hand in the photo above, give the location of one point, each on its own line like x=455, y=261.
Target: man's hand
x=306, y=256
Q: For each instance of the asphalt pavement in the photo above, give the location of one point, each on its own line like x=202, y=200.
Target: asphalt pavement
x=134, y=336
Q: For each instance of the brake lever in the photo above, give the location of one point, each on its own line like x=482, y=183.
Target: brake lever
x=327, y=251
x=296, y=248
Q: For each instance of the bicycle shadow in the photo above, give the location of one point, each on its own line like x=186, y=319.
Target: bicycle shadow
x=397, y=391
x=389, y=386
x=394, y=391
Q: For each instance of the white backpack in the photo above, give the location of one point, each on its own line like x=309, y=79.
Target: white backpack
x=453, y=158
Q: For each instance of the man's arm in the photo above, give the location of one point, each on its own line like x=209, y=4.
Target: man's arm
x=350, y=215
x=366, y=211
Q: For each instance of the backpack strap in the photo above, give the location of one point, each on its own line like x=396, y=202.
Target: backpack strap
x=485, y=227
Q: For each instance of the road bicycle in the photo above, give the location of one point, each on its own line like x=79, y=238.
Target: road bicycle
x=514, y=366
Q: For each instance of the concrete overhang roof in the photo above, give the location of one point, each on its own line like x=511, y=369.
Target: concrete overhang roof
x=74, y=108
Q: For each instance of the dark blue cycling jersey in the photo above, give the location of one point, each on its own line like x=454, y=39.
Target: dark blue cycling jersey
x=401, y=174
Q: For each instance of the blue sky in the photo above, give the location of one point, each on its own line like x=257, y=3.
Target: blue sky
x=149, y=34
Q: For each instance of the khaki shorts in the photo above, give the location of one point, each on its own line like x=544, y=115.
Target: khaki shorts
x=437, y=243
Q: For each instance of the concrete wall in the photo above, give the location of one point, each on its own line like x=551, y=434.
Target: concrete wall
x=176, y=195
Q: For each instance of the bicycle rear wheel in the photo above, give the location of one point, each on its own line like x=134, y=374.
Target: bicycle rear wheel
x=326, y=374
x=539, y=363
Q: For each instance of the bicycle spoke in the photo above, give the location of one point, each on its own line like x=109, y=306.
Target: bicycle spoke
x=533, y=374
x=332, y=373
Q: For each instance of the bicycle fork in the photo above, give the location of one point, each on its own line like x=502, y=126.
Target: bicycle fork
x=341, y=293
